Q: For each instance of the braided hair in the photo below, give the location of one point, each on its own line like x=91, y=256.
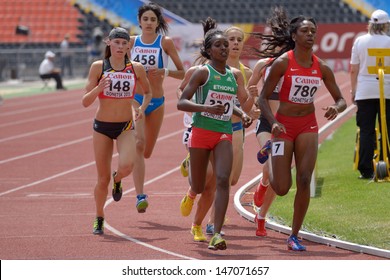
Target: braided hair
x=210, y=31
x=280, y=40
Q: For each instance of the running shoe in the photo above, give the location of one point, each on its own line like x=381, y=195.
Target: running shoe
x=258, y=197
x=186, y=205
x=294, y=244
x=262, y=155
x=198, y=234
x=116, y=188
x=142, y=203
x=260, y=231
x=217, y=243
x=98, y=225
x=184, y=166
x=210, y=230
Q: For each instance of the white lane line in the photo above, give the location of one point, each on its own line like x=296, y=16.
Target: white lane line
x=45, y=150
x=48, y=178
x=44, y=130
x=51, y=116
x=68, y=195
x=32, y=109
x=127, y=237
x=138, y=242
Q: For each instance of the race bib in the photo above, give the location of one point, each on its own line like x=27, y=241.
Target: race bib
x=187, y=120
x=303, y=89
x=148, y=57
x=122, y=85
x=225, y=99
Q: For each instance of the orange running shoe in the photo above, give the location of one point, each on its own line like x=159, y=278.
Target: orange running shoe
x=260, y=231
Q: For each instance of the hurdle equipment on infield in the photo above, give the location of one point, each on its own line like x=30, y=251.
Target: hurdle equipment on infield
x=381, y=164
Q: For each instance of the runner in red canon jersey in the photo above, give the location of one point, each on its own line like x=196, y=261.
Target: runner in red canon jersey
x=294, y=127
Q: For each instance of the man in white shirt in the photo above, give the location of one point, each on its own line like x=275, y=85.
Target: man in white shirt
x=365, y=88
x=47, y=70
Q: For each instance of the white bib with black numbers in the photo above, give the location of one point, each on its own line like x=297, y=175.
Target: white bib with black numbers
x=303, y=89
x=122, y=85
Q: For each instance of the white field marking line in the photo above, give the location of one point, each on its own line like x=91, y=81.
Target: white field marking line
x=45, y=150
x=62, y=126
x=44, y=236
x=48, y=178
x=71, y=195
x=76, y=169
x=32, y=109
x=136, y=241
x=44, y=130
x=306, y=235
x=67, y=144
x=26, y=120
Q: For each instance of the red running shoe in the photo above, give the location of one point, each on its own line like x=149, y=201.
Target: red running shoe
x=260, y=231
x=258, y=197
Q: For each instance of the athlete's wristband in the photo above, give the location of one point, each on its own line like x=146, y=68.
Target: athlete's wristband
x=166, y=72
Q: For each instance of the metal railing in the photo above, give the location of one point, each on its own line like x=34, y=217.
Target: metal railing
x=23, y=63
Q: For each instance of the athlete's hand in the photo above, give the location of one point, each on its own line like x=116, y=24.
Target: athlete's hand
x=253, y=91
x=255, y=113
x=277, y=128
x=154, y=72
x=217, y=109
x=331, y=112
x=104, y=83
x=139, y=113
x=246, y=120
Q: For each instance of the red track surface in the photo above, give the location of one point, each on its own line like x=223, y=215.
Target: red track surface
x=47, y=177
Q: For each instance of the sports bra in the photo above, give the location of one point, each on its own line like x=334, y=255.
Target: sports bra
x=299, y=83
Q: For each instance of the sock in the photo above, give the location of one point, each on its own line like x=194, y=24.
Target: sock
x=264, y=185
x=191, y=194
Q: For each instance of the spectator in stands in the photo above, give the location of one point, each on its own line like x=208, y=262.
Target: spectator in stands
x=365, y=88
x=294, y=127
x=47, y=70
x=212, y=128
x=112, y=80
x=66, y=56
x=152, y=49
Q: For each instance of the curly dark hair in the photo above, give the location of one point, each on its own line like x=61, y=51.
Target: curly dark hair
x=281, y=33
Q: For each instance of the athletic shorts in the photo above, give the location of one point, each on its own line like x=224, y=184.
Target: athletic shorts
x=297, y=125
x=263, y=125
x=206, y=139
x=112, y=129
x=237, y=126
x=153, y=104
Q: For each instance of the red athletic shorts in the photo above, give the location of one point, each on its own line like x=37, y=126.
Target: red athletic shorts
x=206, y=139
x=297, y=125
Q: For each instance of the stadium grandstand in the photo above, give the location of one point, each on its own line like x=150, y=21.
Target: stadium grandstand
x=30, y=28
